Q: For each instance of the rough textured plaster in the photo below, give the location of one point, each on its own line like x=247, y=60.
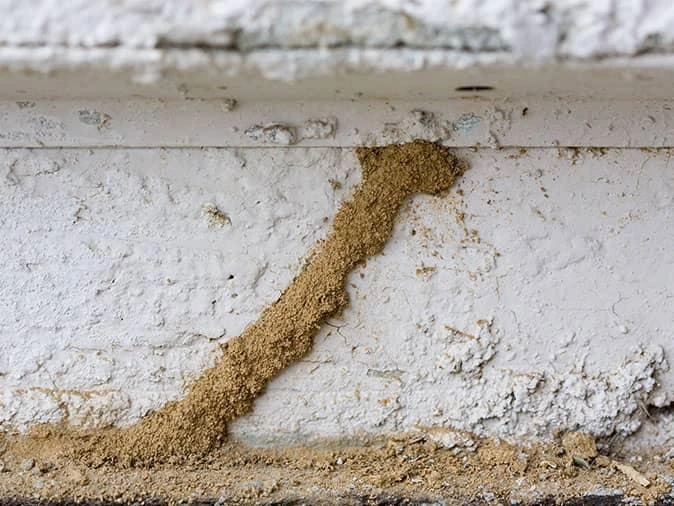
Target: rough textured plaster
x=546, y=305
x=282, y=40
x=532, y=29
x=126, y=257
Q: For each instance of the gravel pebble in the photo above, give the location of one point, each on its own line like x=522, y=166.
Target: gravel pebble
x=27, y=464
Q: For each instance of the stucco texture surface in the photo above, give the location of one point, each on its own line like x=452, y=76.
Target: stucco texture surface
x=286, y=41
x=534, y=297
x=529, y=28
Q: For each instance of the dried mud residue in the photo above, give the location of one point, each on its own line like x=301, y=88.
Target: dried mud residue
x=284, y=331
x=436, y=466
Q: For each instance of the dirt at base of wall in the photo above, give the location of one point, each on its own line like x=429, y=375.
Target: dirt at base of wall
x=442, y=466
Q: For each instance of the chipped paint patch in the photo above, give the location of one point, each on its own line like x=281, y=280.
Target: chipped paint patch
x=214, y=216
x=466, y=123
x=94, y=118
x=323, y=128
x=286, y=134
x=417, y=124
x=273, y=133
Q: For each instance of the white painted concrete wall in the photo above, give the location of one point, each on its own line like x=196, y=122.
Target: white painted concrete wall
x=116, y=132
x=116, y=290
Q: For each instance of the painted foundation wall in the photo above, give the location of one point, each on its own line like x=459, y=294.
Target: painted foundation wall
x=536, y=296
x=165, y=170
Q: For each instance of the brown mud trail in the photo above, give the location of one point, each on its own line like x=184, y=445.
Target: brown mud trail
x=284, y=332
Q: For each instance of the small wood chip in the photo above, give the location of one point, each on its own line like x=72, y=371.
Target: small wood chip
x=632, y=474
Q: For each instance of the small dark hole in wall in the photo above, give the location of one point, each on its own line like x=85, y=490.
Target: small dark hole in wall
x=474, y=88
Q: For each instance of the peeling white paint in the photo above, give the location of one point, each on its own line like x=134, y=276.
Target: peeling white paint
x=116, y=291
x=533, y=29
x=128, y=48
x=273, y=133
x=321, y=128
x=284, y=134
x=490, y=121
